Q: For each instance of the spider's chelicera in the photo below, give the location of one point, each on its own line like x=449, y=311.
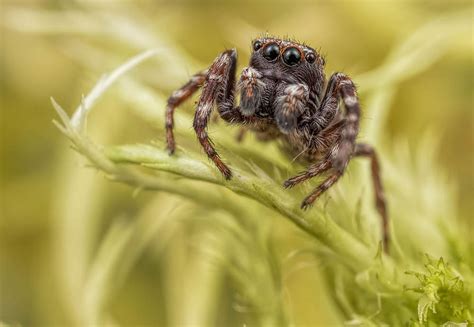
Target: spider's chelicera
x=284, y=95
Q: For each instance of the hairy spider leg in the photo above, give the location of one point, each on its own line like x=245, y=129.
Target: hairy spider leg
x=218, y=88
x=176, y=99
x=351, y=127
x=330, y=181
x=218, y=83
x=329, y=104
x=366, y=150
x=322, y=126
x=312, y=171
x=340, y=86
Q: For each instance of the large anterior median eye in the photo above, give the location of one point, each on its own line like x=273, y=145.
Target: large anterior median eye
x=291, y=56
x=271, y=51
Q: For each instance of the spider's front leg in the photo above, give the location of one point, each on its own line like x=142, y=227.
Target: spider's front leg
x=344, y=133
x=218, y=76
x=218, y=88
x=339, y=137
x=347, y=91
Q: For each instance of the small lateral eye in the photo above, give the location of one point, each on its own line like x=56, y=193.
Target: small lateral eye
x=271, y=51
x=291, y=56
x=310, y=57
x=257, y=45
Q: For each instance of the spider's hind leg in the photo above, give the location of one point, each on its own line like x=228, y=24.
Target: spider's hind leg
x=366, y=150
x=176, y=99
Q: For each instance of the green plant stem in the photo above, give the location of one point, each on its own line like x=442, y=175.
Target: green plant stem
x=268, y=193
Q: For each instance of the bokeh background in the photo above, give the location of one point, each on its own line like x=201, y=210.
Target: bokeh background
x=56, y=212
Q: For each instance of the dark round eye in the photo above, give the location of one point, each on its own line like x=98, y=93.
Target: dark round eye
x=291, y=56
x=310, y=57
x=271, y=52
x=257, y=45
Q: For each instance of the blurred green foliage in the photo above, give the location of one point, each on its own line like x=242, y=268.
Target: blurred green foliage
x=78, y=249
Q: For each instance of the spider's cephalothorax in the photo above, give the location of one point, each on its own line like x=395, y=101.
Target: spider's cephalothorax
x=284, y=95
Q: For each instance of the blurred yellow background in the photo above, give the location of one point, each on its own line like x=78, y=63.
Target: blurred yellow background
x=60, y=48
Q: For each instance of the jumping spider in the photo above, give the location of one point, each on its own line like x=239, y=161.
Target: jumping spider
x=284, y=95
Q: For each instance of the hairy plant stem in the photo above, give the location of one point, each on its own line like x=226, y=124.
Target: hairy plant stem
x=267, y=192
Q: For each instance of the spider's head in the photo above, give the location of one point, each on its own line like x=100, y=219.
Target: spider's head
x=286, y=59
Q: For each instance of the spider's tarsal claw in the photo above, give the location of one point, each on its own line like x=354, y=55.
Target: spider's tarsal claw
x=305, y=205
x=170, y=148
x=225, y=171
x=227, y=174
x=289, y=183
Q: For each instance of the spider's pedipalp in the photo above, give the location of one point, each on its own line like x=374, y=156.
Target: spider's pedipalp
x=251, y=90
x=290, y=106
